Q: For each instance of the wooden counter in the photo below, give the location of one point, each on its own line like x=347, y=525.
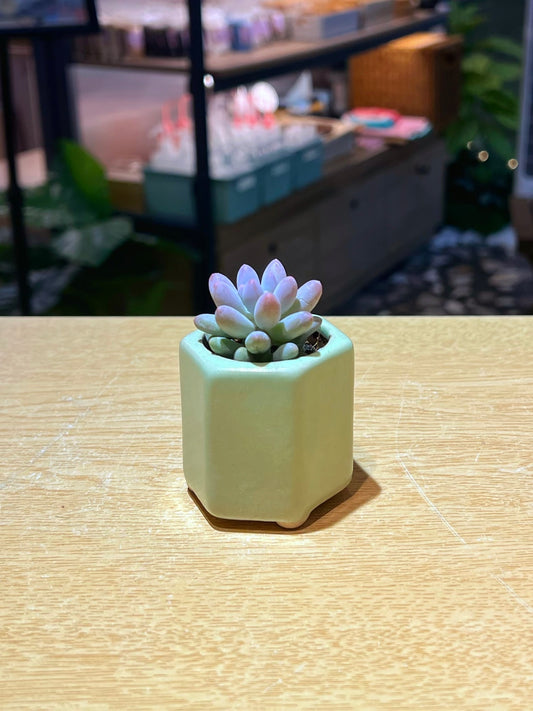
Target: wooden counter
x=413, y=589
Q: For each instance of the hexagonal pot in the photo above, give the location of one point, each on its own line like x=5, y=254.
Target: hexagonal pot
x=271, y=441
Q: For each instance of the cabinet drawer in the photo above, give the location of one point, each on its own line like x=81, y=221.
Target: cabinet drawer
x=352, y=232
x=416, y=198
x=294, y=242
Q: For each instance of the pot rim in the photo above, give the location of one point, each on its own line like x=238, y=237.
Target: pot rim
x=337, y=342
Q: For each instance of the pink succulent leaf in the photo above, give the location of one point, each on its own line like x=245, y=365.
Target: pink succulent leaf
x=287, y=351
x=286, y=292
x=223, y=346
x=315, y=326
x=258, y=342
x=267, y=311
x=224, y=293
x=244, y=275
x=208, y=324
x=233, y=323
x=309, y=294
x=217, y=277
x=272, y=275
x=291, y=327
x=249, y=293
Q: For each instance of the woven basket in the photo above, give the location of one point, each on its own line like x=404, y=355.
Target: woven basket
x=418, y=75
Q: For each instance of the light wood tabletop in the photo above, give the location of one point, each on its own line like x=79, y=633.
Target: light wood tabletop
x=412, y=589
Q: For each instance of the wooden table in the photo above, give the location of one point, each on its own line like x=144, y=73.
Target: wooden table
x=413, y=589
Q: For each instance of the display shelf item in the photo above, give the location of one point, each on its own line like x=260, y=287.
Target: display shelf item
x=275, y=179
x=313, y=28
x=172, y=195
x=376, y=12
x=234, y=68
x=307, y=164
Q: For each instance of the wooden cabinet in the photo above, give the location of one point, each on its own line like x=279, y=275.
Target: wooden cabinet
x=352, y=234
x=292, y=240
x=360, y=219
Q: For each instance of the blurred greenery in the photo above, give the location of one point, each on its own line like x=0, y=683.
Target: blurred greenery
x=479, y=183
x=71, y=222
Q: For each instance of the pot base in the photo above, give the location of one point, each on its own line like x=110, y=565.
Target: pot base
x=284, y=524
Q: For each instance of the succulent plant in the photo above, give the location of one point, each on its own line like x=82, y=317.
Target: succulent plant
x=260, y=319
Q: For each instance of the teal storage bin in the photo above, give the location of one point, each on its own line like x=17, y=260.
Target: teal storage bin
x=275, y=179
x=237, y=197
x=307, y=164
x=172, y=195
x=169, y=195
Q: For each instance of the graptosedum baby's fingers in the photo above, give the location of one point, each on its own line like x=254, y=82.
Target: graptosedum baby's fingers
x=258, y=342
x=309, y=294
x=286, y=292
x=286, y=352
x=223, y=346
x=291, y=327
x=208, y=324
x=242, y=355
x=233, y=323
x=272, y=275
x=244, y=275
x=224, y=293
x=267, y=311
x=249, y=293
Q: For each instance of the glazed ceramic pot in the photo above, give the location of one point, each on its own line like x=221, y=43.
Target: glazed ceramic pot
x=271, y=441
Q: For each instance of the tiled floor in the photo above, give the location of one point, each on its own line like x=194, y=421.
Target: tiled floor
x=456, y=273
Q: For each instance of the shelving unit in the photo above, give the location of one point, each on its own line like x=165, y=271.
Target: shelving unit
x=220, y=73
x=234, y=68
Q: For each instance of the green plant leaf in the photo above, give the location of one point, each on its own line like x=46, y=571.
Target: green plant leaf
x=476, y=63
x=509, y=121
x=464, y=18
x=497, y=141
x=502, y=45
x=91, y=245
x=88, y=175
x=476, y=85
x=507, y=71
x=460, y=133
x=500, y=100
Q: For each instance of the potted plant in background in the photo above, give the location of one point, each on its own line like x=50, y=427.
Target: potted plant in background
x=482, y=141
x=86, y=259
x=267, y=400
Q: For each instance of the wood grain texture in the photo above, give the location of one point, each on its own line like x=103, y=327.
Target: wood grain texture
x=410, y=590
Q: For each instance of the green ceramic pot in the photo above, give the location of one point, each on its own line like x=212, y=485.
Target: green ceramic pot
x=267, y=442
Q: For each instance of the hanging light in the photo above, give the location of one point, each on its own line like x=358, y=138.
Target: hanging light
x=483, y=156
x=512, y=164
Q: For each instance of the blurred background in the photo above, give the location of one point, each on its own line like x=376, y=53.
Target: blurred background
x=381, y=146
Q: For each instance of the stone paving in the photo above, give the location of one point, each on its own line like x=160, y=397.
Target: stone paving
x=457, y=273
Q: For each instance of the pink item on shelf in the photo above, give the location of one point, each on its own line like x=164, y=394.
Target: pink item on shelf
x=406, y=128
x=184, y=120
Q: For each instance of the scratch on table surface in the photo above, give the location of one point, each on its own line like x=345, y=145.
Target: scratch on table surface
x=412, y=479
x=360, y=380
x=514, y=594
x=518, y=470
x=66, y=429
x=271, y=686
x=430, y=503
